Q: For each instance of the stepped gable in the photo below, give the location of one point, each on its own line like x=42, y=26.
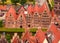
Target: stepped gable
x=44, y=7
x=12, y=12
x=21, y=14
x=22, y=9
x=40, y=36
x=30, y=9
x=36, y=8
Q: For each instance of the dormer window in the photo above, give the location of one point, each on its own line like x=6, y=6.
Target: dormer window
x=45, y=11
x=36, y=14
x=20, y=17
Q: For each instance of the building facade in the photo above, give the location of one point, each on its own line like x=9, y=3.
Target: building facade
x=34, y=16
x=57, y=11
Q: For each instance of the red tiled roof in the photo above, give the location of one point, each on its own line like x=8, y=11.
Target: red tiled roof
x=40, y=35
x=44, y=7
x=21, y=9
x=26, y=35
x=12, y=11
x=30, y=9
x=21, y=13
x=32, y=39
x=3, y=7
x=54, y=30
x=36, y=8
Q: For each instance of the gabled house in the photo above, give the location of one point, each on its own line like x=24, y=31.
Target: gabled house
x=36, y=16
x=29, y=16
x=21, y=20
x=46, y=16
x=40, y=37
x=27, y=37
x=33, y=17
x=21, y=9
x=10, y=18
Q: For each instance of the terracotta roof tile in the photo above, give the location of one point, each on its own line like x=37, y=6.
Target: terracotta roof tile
x=12, y=11
x=40, y=35
x=3, y=7
x=44, y=7
x=36, y=8
x=21, y=9
x=54, y=30
x=26, y=35
x=30, y=9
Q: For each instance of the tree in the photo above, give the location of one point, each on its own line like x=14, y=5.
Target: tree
x=51, y=4
x=1, y=23
x=22, y=2
x=15, y=2
x=3, y=1
x=34, y=2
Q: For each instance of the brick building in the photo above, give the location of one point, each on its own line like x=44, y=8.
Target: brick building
x=33, y=17
x=57, y=11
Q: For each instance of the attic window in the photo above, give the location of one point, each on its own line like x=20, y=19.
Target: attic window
x=28, y=25
x=10, y=14
x=36, y=13
x=20, y=26
x=45, y=11
x=21, y=16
